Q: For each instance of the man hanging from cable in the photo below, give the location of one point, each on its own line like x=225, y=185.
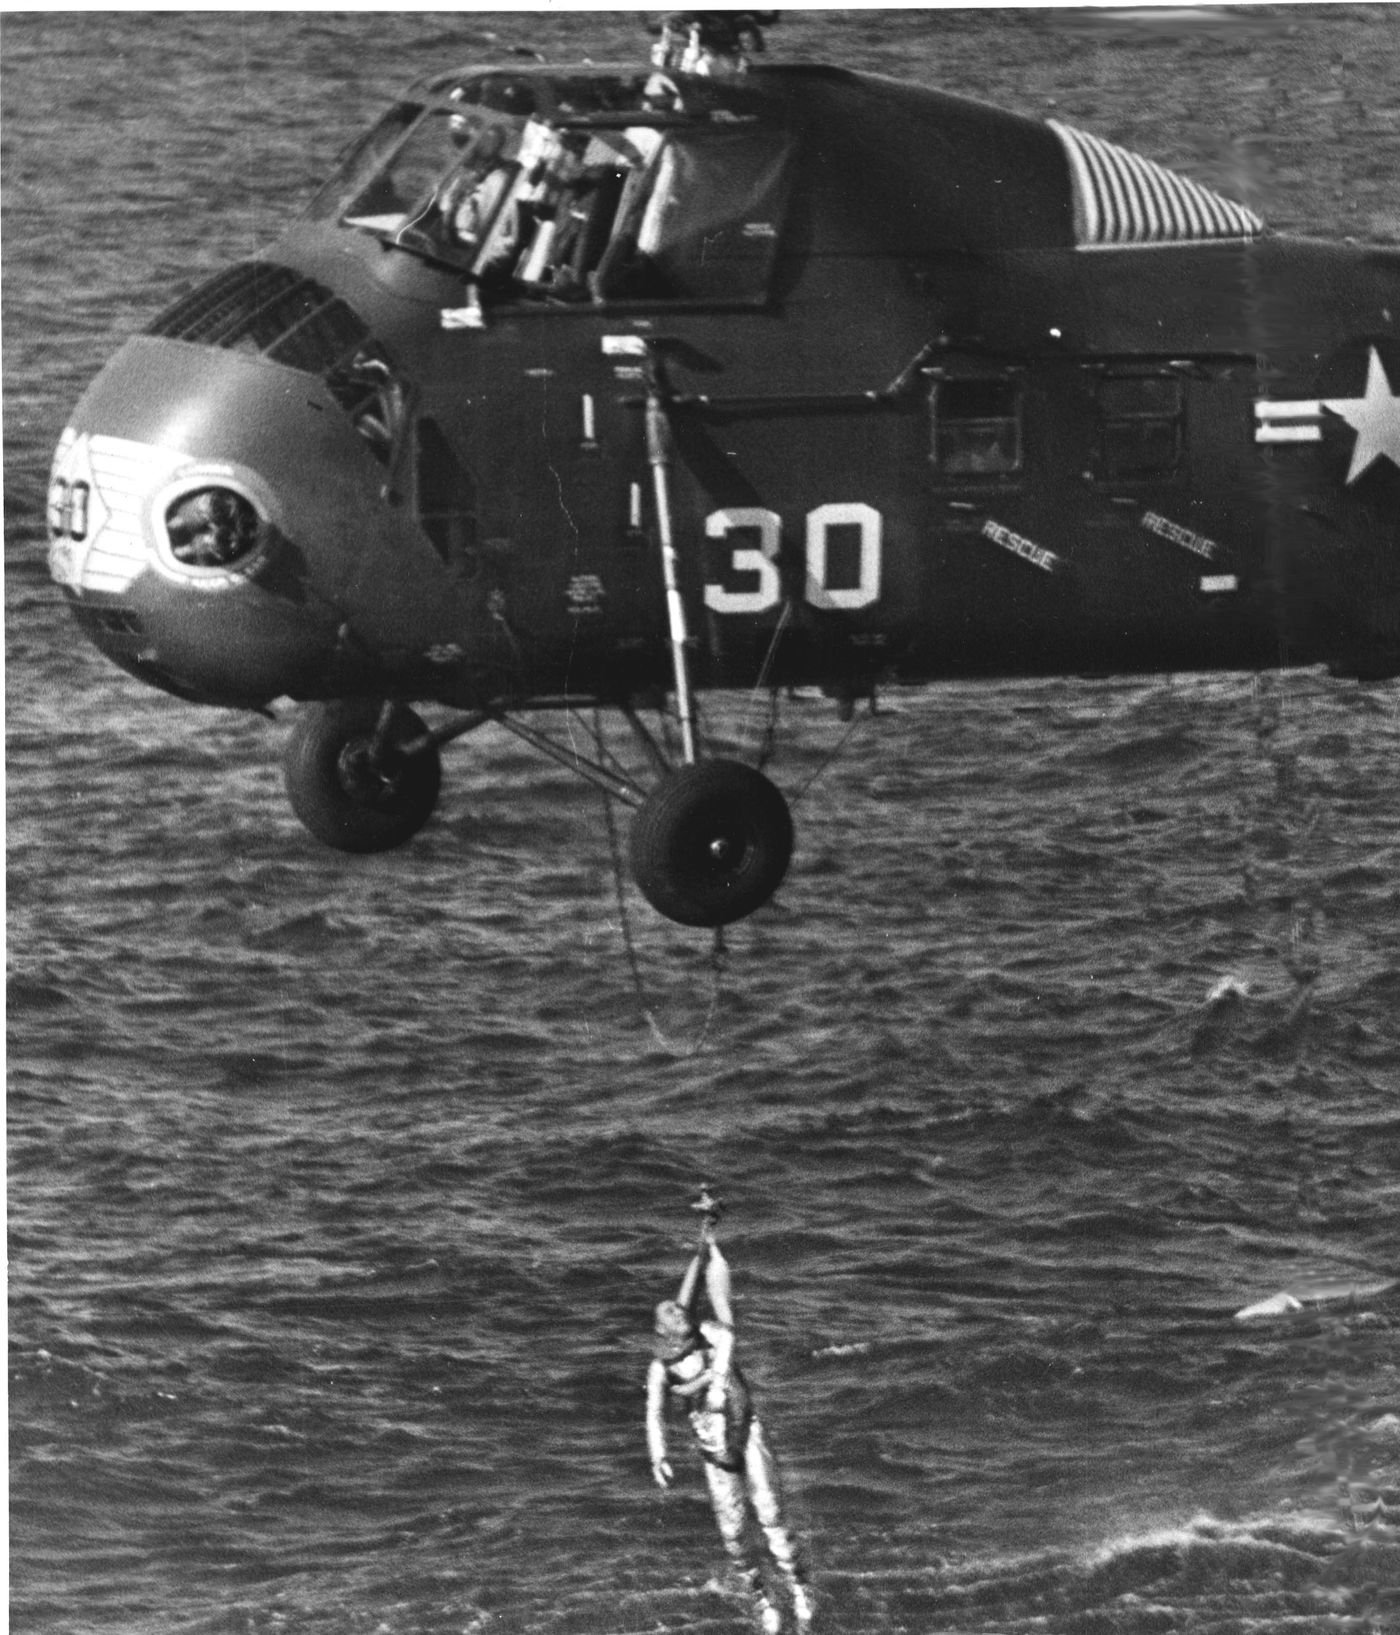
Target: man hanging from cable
x=694, y=1363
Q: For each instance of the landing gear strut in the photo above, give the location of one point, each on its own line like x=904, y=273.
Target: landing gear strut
x=712, y=841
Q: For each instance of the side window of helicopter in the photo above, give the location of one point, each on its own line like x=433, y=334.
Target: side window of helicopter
x=1139, y=428
x=533, y=210
x=701, y=222
x=977, y=428
x=394, y=195
x=438, y=189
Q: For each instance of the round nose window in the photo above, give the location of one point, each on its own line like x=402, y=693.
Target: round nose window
x=212, y=528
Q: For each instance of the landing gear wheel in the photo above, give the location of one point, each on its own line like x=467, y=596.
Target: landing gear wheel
x=711, y=843
x=350, y=781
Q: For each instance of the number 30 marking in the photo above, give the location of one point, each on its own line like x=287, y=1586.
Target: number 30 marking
x=762, y=559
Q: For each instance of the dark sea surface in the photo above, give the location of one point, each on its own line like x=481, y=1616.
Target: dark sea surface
x=341, y=1189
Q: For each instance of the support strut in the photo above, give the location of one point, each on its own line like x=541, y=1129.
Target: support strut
x=602, y=777
x=437, y=737
x=659, y=458
x=610, y=779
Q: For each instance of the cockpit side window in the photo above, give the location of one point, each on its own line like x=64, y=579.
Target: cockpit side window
x=703, y=222
x=446, y=151
x=593, y=209
x=638, y=213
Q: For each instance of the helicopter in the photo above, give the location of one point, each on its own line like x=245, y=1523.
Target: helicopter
x=604, y=387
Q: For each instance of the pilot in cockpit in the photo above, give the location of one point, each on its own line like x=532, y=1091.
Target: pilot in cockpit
x=468, y=200
x=586, y=210
x=544, y=218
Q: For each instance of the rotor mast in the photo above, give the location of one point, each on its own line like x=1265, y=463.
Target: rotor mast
x=712, y=44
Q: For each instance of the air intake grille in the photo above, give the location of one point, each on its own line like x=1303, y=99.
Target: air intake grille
x=268, y=309
x=1123, y=199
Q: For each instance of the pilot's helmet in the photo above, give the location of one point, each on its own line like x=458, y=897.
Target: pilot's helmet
x=674, y=1331
x=460, y=126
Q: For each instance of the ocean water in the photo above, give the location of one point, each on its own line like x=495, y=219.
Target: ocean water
x=341, y=1189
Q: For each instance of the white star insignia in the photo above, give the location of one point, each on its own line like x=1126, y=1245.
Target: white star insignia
x=1374, y=418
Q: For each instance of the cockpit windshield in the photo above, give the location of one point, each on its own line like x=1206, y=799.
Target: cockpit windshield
x=364, y=161
x=566, y=207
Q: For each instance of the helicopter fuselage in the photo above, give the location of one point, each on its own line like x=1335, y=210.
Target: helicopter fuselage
x=902, y=446
x=892, y=385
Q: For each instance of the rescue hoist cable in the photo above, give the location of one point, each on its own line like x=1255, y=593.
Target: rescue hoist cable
x=767, y=744
x=1298, y=816
x=659, y=459
x=718, y=949
x=841, y=744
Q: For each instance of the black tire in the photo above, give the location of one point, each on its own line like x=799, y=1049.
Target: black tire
x=711, y=843
x=348, y=799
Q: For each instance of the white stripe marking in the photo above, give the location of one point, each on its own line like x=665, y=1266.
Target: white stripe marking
x=1294, y=409
x=1288, y=434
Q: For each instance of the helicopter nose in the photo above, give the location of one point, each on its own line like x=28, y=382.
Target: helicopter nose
x=193, y=551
